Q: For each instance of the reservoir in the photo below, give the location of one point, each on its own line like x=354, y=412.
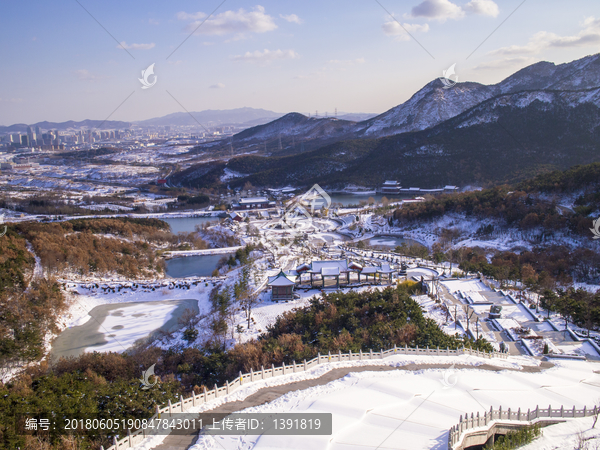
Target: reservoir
x=188, y=224
x=355, y=199
x=193, y=266
x=117, y=326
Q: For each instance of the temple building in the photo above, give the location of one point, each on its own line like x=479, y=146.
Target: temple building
x=282, y=286
x=335, y=272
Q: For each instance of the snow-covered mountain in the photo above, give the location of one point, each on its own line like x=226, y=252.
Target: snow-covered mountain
x=298, y=125
x=433, y=104
x=429, y=106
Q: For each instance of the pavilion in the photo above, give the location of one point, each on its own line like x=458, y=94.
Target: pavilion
x=342, y=269
x=282, y=286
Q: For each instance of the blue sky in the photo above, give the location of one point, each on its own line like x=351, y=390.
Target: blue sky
x=59, y=63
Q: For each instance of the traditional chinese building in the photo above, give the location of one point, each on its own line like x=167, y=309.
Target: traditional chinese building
x=282, y=286
x=341, y=271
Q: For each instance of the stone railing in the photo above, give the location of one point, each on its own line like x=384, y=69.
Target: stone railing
x=136, y=437
x=477, y=430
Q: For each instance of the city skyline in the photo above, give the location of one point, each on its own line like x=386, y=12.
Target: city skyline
x=82, y=60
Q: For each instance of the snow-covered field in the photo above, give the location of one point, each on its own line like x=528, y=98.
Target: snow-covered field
x=414, y=410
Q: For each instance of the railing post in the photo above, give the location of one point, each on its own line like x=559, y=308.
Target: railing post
x=437, y=352
x=205, y=393
x=339, y=355
x=574, y=411
x=129, y=437
x=319, y=358
x=549, y=410
x=241, y=378
x=395, y=349
x=360, y=354
x=349, y=355
x=262, y=372
x=305, y=365
x=406, y=349
x=381, y=352
x=528, y=414
x=193, y=398
x=370, y=353
x=251, y=374
x=294, y=366
x=562, y=411
x=283, y=368
x=272, y=370
x=519, y=414
x=216, y=391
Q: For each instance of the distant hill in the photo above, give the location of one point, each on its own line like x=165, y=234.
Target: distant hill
x=98, y=124
x=212, y=117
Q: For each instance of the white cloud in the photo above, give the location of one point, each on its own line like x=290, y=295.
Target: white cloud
x=217, y=86
x=507, y=63
x=522, y=55
x=291, y=18
x=437, y=9
x=482, y=7
x=11, y=100
x=443, y=10
x=127, y=46
x=393, y=28
x=86, y=75
x=588, y=36
x=347, y=61
x=265, y=56
x=230, y=22
x=153, y=22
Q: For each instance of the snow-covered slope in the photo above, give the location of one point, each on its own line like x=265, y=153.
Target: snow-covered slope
x=428, y=107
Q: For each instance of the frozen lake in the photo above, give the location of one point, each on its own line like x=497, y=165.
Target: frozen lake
x=390, y=241
x=117, y=326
